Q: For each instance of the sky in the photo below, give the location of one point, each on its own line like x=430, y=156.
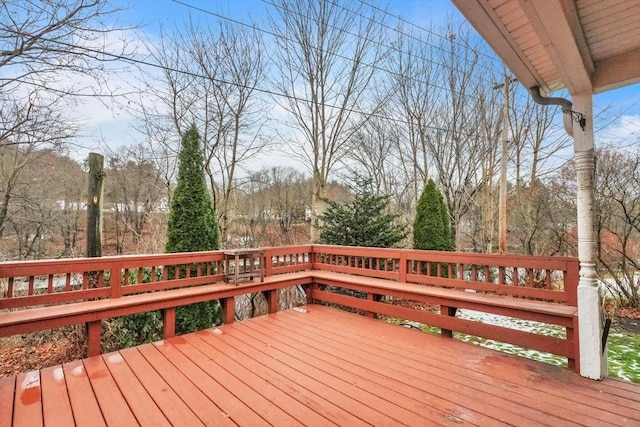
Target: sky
x=110, y=126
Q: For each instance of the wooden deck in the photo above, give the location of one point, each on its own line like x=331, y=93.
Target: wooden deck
x=313, y=366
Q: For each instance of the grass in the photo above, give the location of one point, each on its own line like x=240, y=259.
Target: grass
x=623, y=355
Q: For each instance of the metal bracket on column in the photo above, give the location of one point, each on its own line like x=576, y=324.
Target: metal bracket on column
x=576, y=116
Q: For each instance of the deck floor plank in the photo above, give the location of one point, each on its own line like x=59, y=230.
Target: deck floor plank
x=7, y=391
x=329, y=387
x=114, y=407
x=375, y=399
x=27, y=409
x=167, y=401
x=85, y=407
x=231, y=405
x=333, y=404
x=301, y=413
x=313, y=366
x=443, y=396
x=442, y=375
x=142, y=405
x=490, y=367
x=198, y=402
x=56, y=406
x=258, y=403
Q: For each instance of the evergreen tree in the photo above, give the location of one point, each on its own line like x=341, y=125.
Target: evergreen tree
x=192, y=226
x=365, y=221
x=431, y=230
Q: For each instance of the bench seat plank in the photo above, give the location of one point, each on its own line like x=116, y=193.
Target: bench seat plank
x=410, y=290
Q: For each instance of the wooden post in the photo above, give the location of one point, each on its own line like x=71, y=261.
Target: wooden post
x=228, y=309
x=94, y=343
x=94, y=205
x=272, y=300
x=169, y=322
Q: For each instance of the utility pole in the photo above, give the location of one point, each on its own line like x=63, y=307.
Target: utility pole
x=502, y=204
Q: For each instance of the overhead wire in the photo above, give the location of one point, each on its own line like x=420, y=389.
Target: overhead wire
x=137, y=61
x=377, y=67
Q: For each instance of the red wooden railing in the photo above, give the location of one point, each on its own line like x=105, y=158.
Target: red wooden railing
x=129, y=284
x=534, y=277
x=31, y=283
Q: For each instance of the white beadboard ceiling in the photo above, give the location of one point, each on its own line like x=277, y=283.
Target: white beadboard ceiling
x=582, y=45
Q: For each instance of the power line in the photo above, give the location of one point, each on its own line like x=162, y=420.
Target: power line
x=273, y=34
x=136, y=61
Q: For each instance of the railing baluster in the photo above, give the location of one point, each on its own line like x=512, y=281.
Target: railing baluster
x=31, y=285
x=547, y=280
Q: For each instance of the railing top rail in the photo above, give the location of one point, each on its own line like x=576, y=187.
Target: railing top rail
x=482, y=258
x=53, y=266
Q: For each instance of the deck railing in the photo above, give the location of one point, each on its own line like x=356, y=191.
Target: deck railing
x=45, y=282
x=30, y=283
x=120, y=285
x=534, y=277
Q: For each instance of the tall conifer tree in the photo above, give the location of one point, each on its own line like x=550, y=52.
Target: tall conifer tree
x=431, y=229
x=192, y=226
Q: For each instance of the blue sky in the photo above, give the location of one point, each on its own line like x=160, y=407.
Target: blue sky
x=113, y=127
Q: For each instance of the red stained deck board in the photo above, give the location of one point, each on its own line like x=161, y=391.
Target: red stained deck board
x=198, y=402
x=231, y=405
x=493, y=398
x=84, y=405
x=317, y=366
x=480, y=364
x=311, y=378
x=114, y=407
x=144, y=409
x=313, y=394
x=249, y=394
x=56, y=406
x=168, y=402
x=27, y=407
x=381, y=410
x=299, y=412
x=404, y=402
x=404, y=385
x=7, y=390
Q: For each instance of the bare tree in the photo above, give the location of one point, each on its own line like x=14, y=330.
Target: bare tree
x=463, y=141
x=210, y=78
x=48, y=65
x=134, y=192
x=324, y=52
x=416, y=75
x=618, y=198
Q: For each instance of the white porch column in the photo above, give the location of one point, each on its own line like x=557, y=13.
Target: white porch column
x=593, y=361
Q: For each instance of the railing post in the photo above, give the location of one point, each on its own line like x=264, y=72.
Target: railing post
x=403, y=267
x=228, y=309
x=268, y=262
x=272, y=300
x=571, y=278
x=94, y=341
x=169, y=322
x=114, y=281
x=375, y=298
x=312, y=257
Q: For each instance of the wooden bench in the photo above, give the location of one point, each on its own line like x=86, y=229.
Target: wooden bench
x=531, y=288
x=449, y=300
x=93, y=312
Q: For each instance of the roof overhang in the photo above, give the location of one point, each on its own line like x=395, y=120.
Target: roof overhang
x=585, y=46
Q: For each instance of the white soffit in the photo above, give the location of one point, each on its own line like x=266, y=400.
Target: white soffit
x=582, y=45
